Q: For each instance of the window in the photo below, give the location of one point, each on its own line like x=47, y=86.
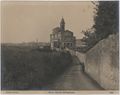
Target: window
x=67, y=44
x=64, y=44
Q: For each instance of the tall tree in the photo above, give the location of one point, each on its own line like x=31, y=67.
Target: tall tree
x=106, y=19
x=106, y=23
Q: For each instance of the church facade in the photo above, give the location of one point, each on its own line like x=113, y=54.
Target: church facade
x=61, y=38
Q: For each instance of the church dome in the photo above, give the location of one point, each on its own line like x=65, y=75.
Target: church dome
x=68, y=31
x=56, y=30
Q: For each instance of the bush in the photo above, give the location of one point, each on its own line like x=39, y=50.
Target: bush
x=23, y=68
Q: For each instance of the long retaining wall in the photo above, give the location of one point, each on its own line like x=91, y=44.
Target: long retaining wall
x=102, y=62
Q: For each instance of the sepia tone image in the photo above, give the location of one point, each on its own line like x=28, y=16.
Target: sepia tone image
x=60, y=45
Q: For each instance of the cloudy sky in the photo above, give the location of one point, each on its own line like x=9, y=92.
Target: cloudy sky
x=28, y=21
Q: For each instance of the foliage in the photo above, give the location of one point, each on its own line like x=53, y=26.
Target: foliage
x=23, y=68
x=89, y=39
x=106, y=23
x=106, y=19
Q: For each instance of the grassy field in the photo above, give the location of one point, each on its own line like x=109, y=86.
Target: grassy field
x=24, y=68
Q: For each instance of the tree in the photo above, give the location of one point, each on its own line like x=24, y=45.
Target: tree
x=106, y=23
x=89, y=39
x=106, y=19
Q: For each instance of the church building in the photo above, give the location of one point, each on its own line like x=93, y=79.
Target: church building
x=61, y=38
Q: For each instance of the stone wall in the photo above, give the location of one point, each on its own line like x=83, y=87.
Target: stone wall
x=72, y=52
x=81, y=57
x=102, y=62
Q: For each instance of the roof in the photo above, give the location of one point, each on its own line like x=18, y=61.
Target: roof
x=62, y=21
x=56, y=30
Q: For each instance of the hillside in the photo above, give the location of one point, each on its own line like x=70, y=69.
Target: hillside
x=25, y=68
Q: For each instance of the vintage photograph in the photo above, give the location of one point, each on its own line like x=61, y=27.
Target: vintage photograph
x=60, y=46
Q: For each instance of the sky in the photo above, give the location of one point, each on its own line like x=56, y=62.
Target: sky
x=31, y=21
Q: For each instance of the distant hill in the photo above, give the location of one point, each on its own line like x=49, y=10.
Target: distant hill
x=26, y=44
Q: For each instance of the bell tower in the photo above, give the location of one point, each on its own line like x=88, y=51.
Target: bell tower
x=62, y=25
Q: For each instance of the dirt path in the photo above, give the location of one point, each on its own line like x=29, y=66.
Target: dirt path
x=74, y=79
